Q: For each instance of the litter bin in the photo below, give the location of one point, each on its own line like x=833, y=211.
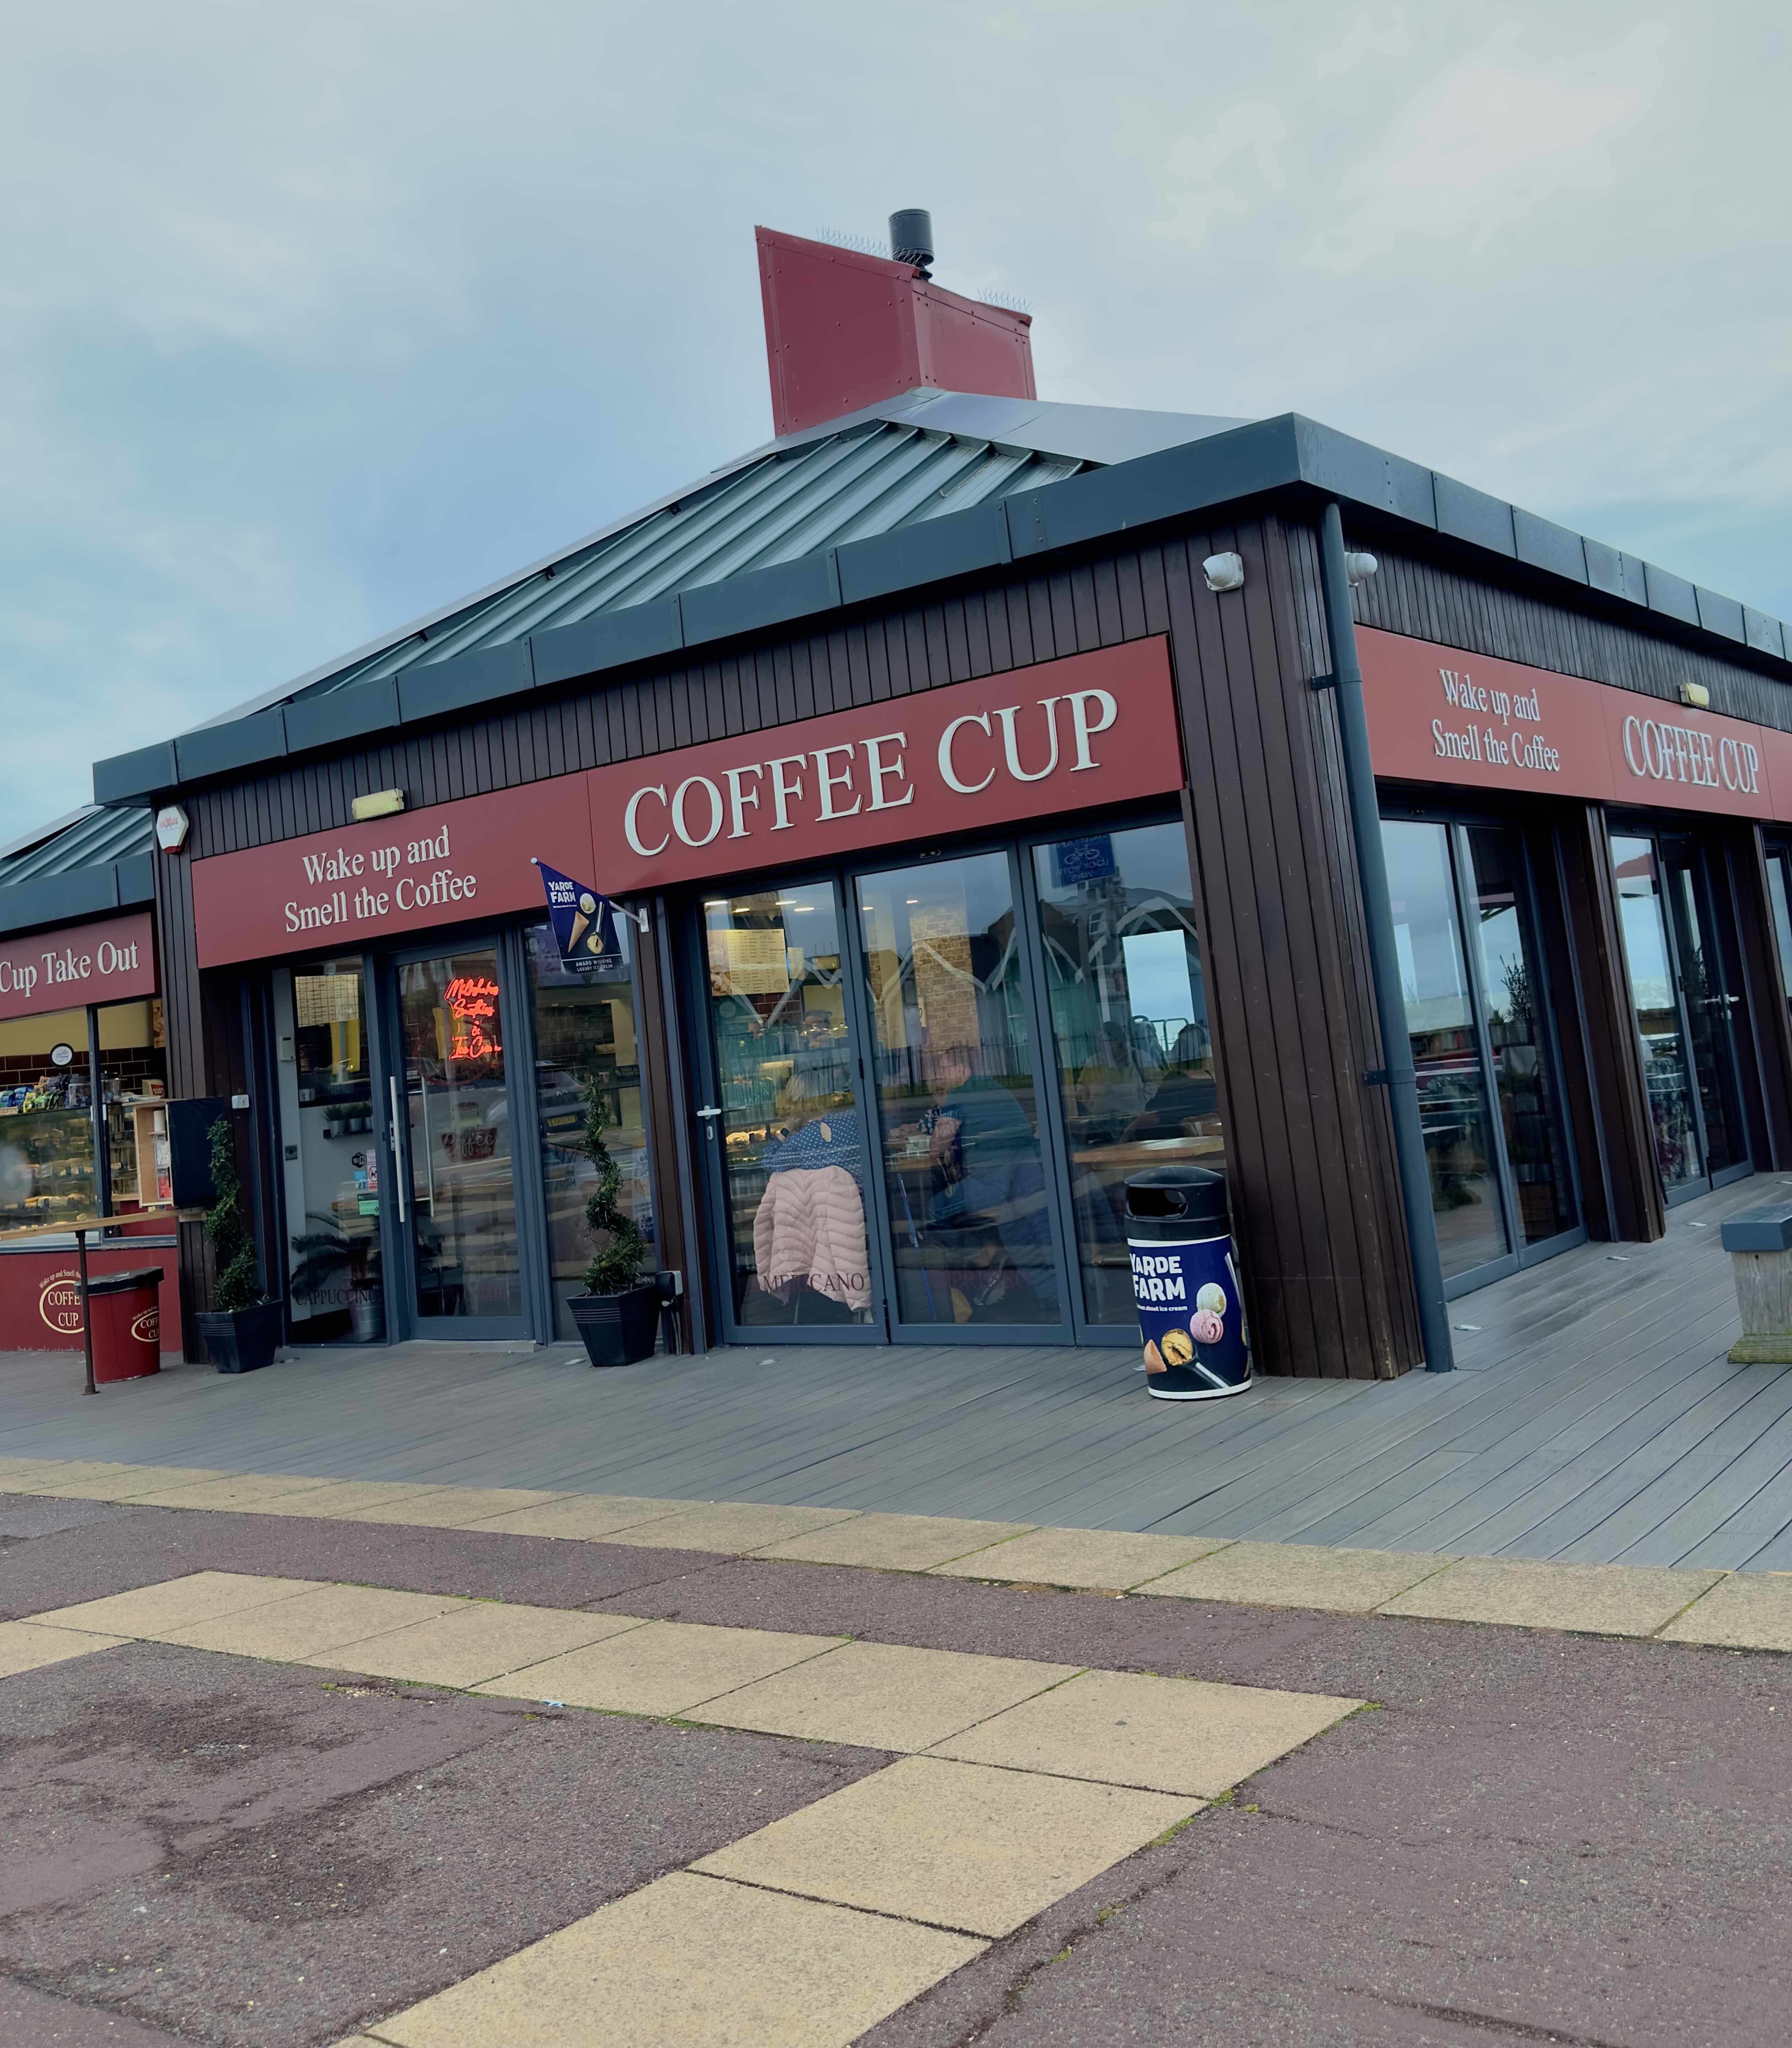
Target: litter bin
x=1184, y=1282
x=127, y=1312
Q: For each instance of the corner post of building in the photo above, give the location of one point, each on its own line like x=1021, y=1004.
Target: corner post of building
x=1398, y=1074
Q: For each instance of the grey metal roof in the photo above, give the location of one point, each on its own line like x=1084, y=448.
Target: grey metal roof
x=81, y=866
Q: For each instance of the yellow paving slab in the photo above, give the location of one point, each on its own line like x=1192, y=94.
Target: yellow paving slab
x=228, y=1489
x=1169, y=1735
x=1525, y=1593
x=957, y=1844
x=325, y=1618
x=584, y=1516
x=1300, y=1575
x=1107, y=1558
x=481, y=1640
x=27, y=1646
x=55, y=1474
x=884, y=1695
x=729, y=1526
x=1746, y=1611
x=334, y=1499
x=893, y=1542
x=126, y=1482
x=453, y=1506
x=152, y=1611
x=663, y=1668
x=691, y=1962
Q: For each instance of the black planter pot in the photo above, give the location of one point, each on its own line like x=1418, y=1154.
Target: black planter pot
x=619, y=1329
x=242, y=1340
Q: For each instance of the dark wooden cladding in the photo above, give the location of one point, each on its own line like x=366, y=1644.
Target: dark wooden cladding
x=1310, y=1148
x=1429, y=601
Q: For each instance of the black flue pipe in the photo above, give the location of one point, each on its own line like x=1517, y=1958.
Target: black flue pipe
x=1398, y=1074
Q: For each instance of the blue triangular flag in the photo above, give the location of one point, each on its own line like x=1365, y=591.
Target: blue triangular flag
x=584, y=922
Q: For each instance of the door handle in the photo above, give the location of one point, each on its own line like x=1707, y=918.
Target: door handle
x=709, y=1113
x=397, y=1156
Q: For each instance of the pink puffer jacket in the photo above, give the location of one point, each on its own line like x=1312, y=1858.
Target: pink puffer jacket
x=811, y=1225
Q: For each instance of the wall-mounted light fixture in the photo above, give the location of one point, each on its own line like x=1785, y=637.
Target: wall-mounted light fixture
x=171, y=829
x=1359, y=568
x=1695, y=694
x=378, y=804
x=1223, y=572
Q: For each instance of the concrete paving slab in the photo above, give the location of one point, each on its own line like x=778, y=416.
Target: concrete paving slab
x=1747, y=1611
x=27, y=1646
x=1300, y=1575
x=955, y=1845
x=893, y=1542
x=732, y=1527
x=152, y=1611
x=231, y=1490
x=453, y=1506
x=691, y=1962
x=336, y=1498
x=666, y=1667
x=1167, y=1735
x=1106, y=1558
x=1527, y=1593
x=484, y=1639
x=884, y=1695
x=54, y=1474
x=127, y=1482
x=583, y=1515
x=326, y=1618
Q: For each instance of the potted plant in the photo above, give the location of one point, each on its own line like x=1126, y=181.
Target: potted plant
x=618, y=1314
x=242, y=1331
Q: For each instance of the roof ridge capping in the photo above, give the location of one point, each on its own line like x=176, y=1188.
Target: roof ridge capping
x=1215, y=467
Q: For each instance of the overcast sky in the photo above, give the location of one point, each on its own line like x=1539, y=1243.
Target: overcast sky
x=313, y=318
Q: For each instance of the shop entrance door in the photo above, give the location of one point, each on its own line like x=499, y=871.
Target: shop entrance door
x=1680, y=953
x=452, y=1112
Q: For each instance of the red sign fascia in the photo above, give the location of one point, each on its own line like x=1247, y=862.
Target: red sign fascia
x=1088, y=730
x=111, y=961
x=439, y=866
x=40, y=1297
x=1069, y=735
x=1438, y=715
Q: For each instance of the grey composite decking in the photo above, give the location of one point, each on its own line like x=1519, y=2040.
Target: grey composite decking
x=1595, y=1417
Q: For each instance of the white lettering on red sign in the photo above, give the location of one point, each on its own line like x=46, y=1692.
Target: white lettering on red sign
x=1658, y=751
x=1503, y=748
x=438, y=888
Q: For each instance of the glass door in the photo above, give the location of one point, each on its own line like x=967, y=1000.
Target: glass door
x=971, y=1205
x=1660, y=1026
x=783, y=1131
x=459, y=1224
x=1708, y=992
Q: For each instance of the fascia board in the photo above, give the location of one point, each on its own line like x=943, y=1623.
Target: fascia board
x=125, y=778
x=351, y=713
x=59, y=899
x=608, y=640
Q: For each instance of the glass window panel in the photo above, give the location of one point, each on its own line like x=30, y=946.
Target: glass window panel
x=330, y=1153
x=1529, y=1111
x=1453, y=1097
x=134, y=1072
x=970, y=1209
x=1653, y=996
x=46, y=1122
x=1708, y=1002
x=1781, y=899
x=462, y=1207
x=793, y=1157
x=1131, y=1046
x=585, y=1037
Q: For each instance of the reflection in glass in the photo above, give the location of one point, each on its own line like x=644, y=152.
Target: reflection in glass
x=1704, y=984
x=1779, y=896
x=1657, y=1010
x=793, y=1161
x=1129, y=1034
x=463, y=1206
x=1452, y=1096
x=46, y=1122
x=958, y=1120
x=585, y=1038
x=133, y=1076
x=1530, y=1116
x=330, y=1153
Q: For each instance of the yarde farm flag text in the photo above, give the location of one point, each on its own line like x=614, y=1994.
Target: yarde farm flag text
x=584, y=922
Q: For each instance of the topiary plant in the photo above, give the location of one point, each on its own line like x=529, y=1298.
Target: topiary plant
x=617, y=1266
x=232, y=1247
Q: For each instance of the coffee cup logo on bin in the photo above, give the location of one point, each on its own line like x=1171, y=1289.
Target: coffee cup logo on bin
x=146, y=1329
x=59, y=1302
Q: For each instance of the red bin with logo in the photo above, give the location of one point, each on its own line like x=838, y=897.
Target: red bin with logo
x=127, y=1312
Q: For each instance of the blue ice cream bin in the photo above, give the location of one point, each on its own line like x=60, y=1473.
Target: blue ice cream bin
x=1186, y=1285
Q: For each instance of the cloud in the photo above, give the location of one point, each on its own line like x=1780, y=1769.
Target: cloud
x=310, y=322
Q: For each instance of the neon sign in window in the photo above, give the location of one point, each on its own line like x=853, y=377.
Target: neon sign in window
x=472, y=1003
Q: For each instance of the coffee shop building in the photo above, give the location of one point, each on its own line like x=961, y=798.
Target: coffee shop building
x=975, y=772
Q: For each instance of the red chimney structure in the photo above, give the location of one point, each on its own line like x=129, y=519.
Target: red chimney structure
x=843, y=329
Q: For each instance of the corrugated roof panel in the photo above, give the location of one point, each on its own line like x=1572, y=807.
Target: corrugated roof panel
x=869, y=479
x=93, y=838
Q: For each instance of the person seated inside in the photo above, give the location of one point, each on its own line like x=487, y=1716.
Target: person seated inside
x=1185, y=1103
